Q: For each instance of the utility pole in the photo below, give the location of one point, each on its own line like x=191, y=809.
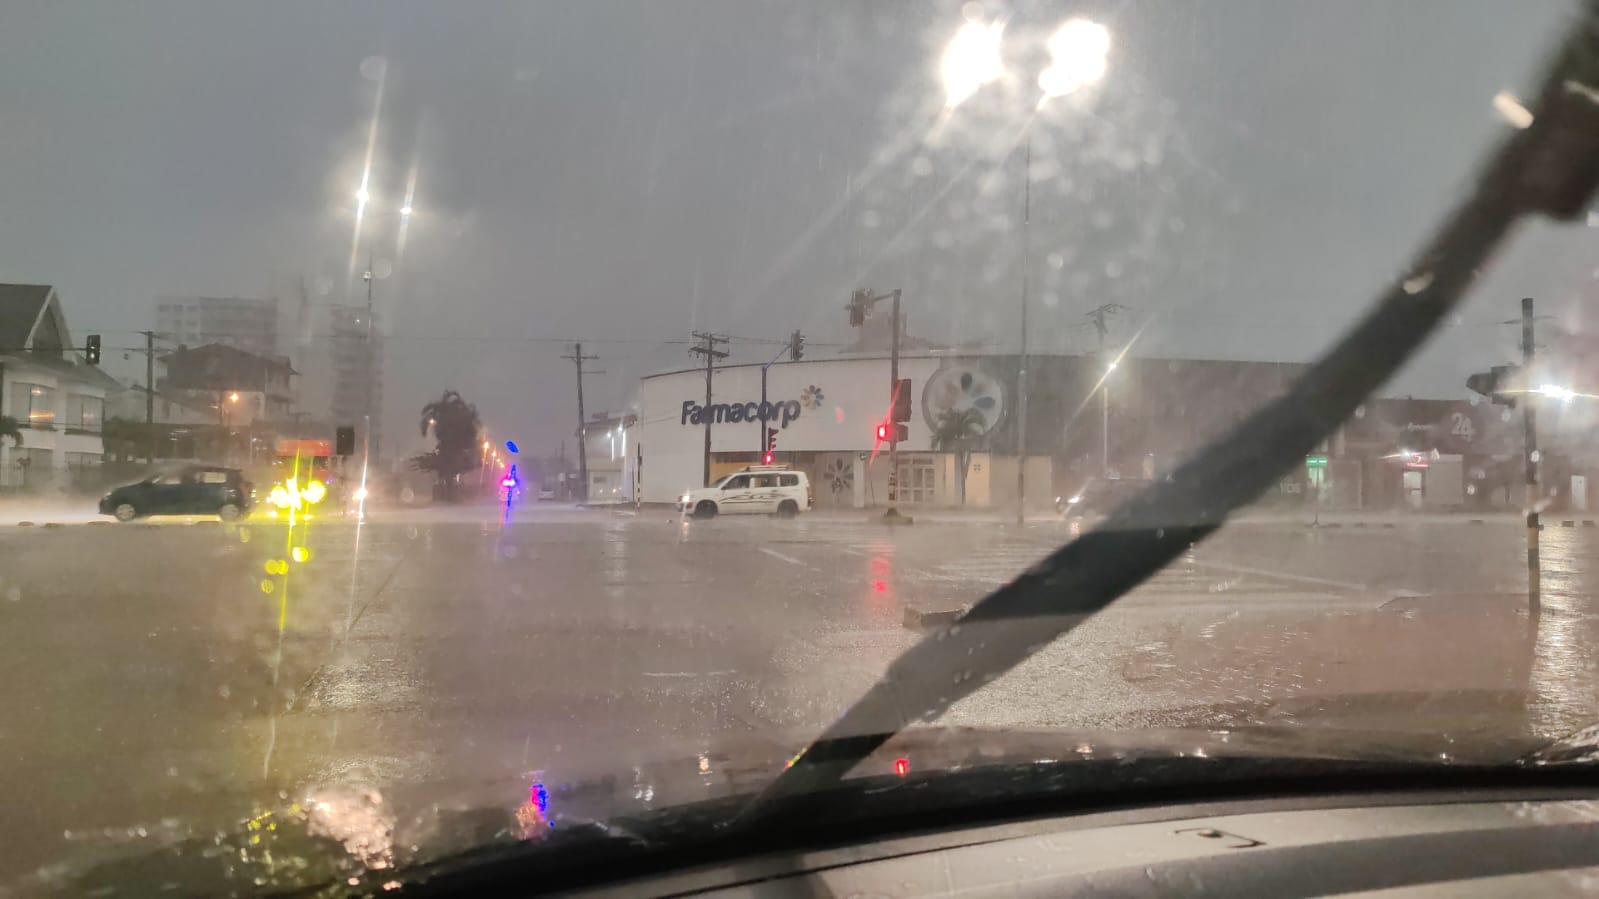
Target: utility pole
x=1021, y=371
x=1529, y=433
x=708, y=349
x=149, y=393
x=578, y=359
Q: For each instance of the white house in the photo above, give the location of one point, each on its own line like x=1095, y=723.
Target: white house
x=56, y=398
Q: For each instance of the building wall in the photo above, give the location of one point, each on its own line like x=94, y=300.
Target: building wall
x=822, y=407
x=356, y=363
x=249, y=324
x=60, y=434
x=1158, y=411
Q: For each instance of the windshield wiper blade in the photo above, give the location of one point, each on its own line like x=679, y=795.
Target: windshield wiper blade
x=1550, y=167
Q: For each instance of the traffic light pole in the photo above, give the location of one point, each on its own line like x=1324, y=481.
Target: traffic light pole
x=761, y=415
x=1529, y=432
x=893, y=433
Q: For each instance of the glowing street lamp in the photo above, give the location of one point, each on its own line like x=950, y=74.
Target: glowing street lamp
x=970, y=61
x=1556, y=392
x=233, y=397
x=1078, y=54
x=362, y=195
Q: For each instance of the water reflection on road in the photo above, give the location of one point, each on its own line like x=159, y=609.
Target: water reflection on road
x=1565, y=645
x=213, y=660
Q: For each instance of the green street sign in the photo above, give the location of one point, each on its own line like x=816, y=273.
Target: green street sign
x=1315, y=461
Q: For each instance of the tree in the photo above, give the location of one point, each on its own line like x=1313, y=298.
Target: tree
x=10, y=427
x=124, y=439
x=454, y=423
x=956, y=430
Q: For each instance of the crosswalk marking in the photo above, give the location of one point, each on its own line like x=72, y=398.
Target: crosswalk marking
x=1185, y=576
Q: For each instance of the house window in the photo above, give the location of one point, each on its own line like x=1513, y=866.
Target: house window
x=82, y=460
x=83, y=412
x=33, y=404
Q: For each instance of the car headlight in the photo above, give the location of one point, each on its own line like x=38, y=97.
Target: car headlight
x=1074, y=499
x=684, y=498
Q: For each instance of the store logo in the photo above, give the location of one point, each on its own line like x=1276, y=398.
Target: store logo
x=811, y=397
x=779, y=413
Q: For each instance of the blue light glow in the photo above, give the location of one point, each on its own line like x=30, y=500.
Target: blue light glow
x=511, y=445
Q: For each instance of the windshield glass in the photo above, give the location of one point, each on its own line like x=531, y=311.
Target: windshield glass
x=470, y=309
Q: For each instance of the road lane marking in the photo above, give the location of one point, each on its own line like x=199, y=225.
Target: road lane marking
x=1279, y=575
x=777, y=555
x=687, y=673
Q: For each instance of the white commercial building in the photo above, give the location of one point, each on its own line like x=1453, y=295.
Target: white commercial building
x=1085, y=419
x=826, y=413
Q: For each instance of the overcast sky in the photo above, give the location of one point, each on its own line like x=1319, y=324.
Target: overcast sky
x=1246, y=177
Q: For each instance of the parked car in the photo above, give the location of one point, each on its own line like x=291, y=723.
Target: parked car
x=192, y=490
x=765, y=489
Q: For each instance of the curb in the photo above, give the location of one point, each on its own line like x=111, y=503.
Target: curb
x=926, y=619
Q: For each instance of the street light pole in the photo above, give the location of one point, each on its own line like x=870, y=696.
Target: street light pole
x=366, y=415
x=1104, y=426
x=1021, y=372
x=1529, y=433
x=1078, y=52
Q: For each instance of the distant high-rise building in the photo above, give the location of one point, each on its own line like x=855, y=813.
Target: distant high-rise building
x=247, y=324
x=356, y=353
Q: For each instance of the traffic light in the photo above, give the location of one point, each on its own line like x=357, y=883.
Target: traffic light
x=902, y=401
x=796, y=347
x=1494, y=383
x=344, y=440
x=898, y=435
x=771, y=440
x=859, y=302
x=91, y=349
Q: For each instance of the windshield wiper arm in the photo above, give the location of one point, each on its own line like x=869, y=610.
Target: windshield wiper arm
x=1550, y=167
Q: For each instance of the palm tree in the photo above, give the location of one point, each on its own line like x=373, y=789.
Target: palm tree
x=955, y=431
x=10, y=427
x=454, y=422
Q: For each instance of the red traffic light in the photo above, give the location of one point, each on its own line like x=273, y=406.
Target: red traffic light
x=766, y=459
x=882, y=432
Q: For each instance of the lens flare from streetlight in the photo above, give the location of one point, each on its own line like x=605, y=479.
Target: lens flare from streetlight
x=1556, y=392
x=1078, y=57
x=970, y=61
x=362, y=195
x=406, y=209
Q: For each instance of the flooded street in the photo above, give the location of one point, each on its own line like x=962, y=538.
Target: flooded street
x=197, y=670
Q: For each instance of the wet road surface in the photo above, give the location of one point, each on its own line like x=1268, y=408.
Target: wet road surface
x=165, y=677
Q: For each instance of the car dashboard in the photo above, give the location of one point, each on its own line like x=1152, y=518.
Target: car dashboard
x=1462, y=844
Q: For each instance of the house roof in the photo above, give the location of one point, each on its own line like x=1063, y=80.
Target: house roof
x=33, y=332
x=220, y=363
x=20, y=308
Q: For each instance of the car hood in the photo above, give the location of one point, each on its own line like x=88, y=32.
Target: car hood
x=359, y=834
